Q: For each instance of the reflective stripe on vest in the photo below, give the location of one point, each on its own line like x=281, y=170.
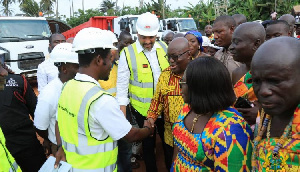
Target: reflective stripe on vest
x=87, y=153
x=163, y=46
x=111, y=90
x=7, y=162
x=15, y=167
x=141, y=83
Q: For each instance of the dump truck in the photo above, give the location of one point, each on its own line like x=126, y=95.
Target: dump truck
x=25, y=41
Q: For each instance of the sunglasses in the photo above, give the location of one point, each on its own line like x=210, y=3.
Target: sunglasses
x=175, y=57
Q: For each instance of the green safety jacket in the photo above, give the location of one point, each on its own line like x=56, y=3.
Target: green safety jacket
x=83, y=152
x=7, y=162
x=141, y=83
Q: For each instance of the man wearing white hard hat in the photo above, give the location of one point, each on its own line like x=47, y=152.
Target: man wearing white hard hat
x=110, y=86
x=89, y=119
x=140, y=66
x=45, y=113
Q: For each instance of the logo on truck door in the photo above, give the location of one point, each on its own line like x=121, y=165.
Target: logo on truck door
x=29, y=46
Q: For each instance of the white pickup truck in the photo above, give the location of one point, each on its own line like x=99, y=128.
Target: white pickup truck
x=26, y=41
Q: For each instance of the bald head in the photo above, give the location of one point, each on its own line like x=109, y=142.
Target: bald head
x=276, y=76
x=290, y=20
x=280, y=51
x=246, y=39
x=178, y=44
x=178, y=54
x=251, y=30
x=239, y=19
x=178, y=35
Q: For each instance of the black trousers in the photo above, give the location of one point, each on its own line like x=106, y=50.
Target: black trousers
x=148, y=144
x=31, y=159
x=168, y=151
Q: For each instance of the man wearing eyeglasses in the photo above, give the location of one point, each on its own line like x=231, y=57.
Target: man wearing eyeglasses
x=139, y=68
x=167, y=97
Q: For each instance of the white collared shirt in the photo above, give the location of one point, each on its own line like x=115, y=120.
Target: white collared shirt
x=46, y=72
x=106, y=118
x=46, y=108
x=124, y=72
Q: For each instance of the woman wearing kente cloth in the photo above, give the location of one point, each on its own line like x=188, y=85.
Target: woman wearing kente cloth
x=195, y=43
x=210, y=135
x=276, y=81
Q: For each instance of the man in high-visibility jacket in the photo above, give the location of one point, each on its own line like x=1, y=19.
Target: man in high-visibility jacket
x=139, y=68
x=89, y=120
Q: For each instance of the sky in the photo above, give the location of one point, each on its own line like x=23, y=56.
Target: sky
x=64, y=5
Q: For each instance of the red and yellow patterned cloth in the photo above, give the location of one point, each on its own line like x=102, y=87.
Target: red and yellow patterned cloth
x=243, y=88
x=167, y=99
x=224, y=145
x=289, y=154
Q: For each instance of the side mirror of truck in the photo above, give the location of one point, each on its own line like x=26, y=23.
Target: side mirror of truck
x=57, y=28
x=122, y=23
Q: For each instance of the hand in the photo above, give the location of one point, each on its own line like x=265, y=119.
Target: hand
x=250, y=114
x=47, y=147
x=60, y=156
x=151, y=121
x=148, y=125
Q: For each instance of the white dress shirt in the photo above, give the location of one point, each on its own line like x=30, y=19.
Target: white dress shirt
x=46, y=72
x=46, y=108
x=106, y=118
x=124, y=72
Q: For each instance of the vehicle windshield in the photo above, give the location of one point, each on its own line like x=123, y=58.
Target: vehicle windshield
x=186, y=25
x=24, y=29
x=133, y=21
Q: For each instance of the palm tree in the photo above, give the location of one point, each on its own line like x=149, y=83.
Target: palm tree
x=30, y=8
x=6, y=10
x=47, y=6
x=107, y=6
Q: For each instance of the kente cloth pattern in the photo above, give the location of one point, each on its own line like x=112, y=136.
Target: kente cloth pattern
x=224, y=145
x=289, y=154
x=167, y=99
x=211, y=38
x=243, y=88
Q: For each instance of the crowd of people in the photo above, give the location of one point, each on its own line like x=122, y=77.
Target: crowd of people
x=227, y=100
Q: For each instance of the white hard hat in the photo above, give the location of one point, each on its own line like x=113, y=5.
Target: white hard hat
x=206, y=41
x=147, y=24
x=113, y=36
x=62, y=53
x=91, y=38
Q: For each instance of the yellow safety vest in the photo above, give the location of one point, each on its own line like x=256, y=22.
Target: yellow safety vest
x=110, y=85
x=141, y=83
x=83, y=152
x=7, y=162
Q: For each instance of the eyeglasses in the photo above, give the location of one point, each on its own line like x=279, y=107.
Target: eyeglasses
x=175, y=57
x=181, y=83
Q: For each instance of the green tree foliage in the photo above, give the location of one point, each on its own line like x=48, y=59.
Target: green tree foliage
x=46, y=6
x=30, y=8
x=5, y=7
x=81, y=17
x=203, y=12
x=107, y=6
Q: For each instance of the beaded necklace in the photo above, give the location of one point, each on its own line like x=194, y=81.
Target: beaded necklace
x=275, y=161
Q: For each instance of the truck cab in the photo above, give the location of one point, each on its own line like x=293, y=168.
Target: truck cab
x=128, y=22
x=26, y=41
x=176, y=25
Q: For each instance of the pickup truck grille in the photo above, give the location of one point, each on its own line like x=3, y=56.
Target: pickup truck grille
x=29, y=61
